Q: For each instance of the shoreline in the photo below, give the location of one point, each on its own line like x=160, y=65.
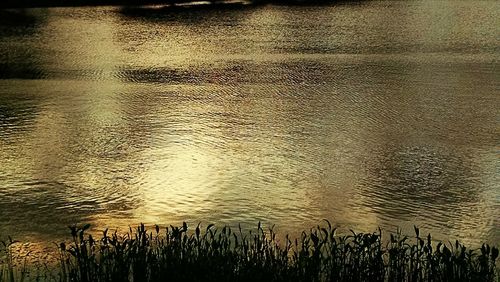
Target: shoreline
x=27, y=4
x=219, y=253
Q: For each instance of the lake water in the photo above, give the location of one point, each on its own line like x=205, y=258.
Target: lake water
x=369, y=114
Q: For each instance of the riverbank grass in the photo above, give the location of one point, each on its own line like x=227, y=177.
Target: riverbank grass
x=223, y=254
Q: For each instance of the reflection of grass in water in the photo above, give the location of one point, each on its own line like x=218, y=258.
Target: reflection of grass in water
x=216, y=254
x=10, y=269
x=26, y=262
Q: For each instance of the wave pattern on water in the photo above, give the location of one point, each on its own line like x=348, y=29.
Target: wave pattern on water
x=278, y=114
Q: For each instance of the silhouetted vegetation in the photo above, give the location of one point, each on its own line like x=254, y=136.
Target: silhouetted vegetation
x=221, y=254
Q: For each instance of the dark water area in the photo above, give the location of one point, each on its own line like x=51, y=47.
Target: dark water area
x=380, y=113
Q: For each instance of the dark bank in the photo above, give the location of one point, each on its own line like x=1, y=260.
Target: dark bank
x=168, y=3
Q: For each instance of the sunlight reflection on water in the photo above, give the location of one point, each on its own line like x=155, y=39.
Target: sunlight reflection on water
x=286, y=115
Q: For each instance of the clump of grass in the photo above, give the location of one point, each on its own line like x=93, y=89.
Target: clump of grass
x=221, y=254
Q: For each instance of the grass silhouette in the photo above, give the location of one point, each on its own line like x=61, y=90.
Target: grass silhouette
x=221, y=254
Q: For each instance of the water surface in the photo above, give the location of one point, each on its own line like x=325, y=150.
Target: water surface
x=370, y=114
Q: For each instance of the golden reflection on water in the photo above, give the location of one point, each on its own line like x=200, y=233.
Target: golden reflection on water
x=278, y=114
